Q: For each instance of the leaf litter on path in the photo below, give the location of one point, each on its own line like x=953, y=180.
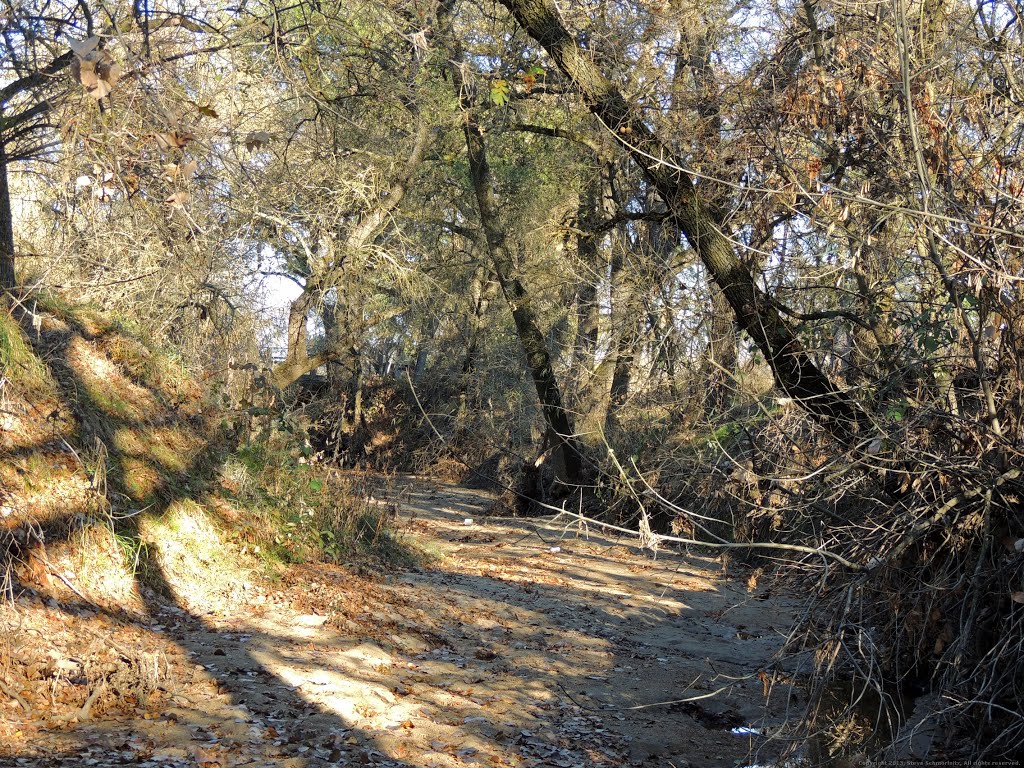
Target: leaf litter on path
x=514, y=648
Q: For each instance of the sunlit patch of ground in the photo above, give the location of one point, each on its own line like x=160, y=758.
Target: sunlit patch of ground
x=513, y=648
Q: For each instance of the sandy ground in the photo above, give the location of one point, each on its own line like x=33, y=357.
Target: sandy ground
x=521, y=643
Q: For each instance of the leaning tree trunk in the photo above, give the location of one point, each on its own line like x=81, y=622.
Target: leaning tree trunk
x=568, y=458
x=527, y=326
x=7, y=278
x=721, y=351
x=755, y=311
x=484, y=290
x=298, y=362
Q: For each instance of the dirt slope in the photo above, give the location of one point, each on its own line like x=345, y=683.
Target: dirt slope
x=522, y=644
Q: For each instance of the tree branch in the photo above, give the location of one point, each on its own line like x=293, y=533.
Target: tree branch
x=597, y=147
x=35, y=79
x=793, y=367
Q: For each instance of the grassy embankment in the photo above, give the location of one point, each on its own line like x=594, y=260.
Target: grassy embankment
x=119, y=472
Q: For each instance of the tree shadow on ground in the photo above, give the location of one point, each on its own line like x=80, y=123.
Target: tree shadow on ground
x=135, y=499
x=498, y=666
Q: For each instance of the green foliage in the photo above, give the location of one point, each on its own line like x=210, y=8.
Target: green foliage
x=724, y=432
x=17, y=361
x=896, y=411
x=52, y=302
x=934, y=330
x=134, y=551
x=309, y=513
x=500, y=93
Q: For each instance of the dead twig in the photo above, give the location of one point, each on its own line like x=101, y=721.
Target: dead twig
x=85, y=713
x=7, y=690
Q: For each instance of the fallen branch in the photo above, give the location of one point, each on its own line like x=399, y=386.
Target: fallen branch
x=649, y=538
x=6, y=689
x=64, y=579
x=658, y=538
x=85, y=713
x=125, y=652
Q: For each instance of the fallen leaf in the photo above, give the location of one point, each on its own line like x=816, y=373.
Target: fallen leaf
x=207, y=758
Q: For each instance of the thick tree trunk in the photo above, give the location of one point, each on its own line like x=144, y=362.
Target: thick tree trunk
x=288, y=371
x=590, y=414
x=527, y=327
x=588, y=253
x=667, y=350
x=484, y=291
x=721, y=351
x=344, y=330
x=627, y=325
x=609, y=386
x=419, y=367
x=298, y=362
x=721, y=354
x=755, y=312
x=560, y=428
x=298, y=316
x=7, y=278
x=584, y=349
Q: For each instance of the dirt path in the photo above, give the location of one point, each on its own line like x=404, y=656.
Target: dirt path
x=522, y=644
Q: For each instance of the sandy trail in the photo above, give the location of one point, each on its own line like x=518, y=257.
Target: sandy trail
x=523, y=643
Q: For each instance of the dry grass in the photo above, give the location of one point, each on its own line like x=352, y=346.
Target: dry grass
x=85, y=445
x=196, y=557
